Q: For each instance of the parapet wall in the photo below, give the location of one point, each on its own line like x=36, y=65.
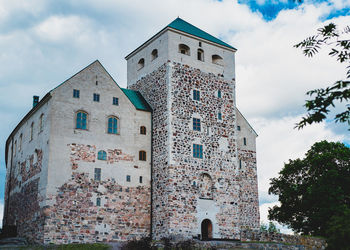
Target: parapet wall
x=308, y=242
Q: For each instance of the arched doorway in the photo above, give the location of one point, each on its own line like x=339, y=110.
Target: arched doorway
x=207, y=229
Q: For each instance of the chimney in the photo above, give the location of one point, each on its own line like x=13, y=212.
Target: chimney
x=35, y=100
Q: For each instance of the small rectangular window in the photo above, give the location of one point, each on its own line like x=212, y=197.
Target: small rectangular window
x=140, y=179
x=96, y=97
x=200, y=44
x=219, y=116
x=97, y=174
x=76, y=93
x=219, y=93
x=198, y=151
x=128, y=178
x=245, y=141
x=98, y=202
x=239, y=128
x=196, y=95
x=196, y=124
x=115, y=101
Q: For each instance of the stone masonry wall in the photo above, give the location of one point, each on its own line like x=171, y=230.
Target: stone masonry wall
x=75, y=217
x=124, y=213
x=219, y=153
x=249, y=200
x=25, y=211
x=176, y=174
x=154, y=88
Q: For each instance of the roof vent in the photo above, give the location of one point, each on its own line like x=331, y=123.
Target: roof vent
x=35, y=100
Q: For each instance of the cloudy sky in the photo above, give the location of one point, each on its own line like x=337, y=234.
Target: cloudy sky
x=44, y=42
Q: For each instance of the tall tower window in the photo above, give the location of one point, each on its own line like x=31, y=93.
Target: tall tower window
x=141, y=64
x=196, y=124
x=81, y=120
x=200, y=55
x=31, y=131
x=184, y=49
x=154, y=54
x=198, y=151
x=196, y=95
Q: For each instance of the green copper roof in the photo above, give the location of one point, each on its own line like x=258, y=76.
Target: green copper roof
x=137, y=99
x=184, y=26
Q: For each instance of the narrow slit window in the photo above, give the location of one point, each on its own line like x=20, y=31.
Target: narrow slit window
x=219, y=116
x=244, y=141
x=31, y=131
x=140, y=179
x=219, y=93
x=97, y=176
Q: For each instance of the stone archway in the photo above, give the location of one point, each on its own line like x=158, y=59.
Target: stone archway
x=206, y=229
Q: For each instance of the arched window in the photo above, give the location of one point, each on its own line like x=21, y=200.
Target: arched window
x=206, y=186
x=81, y=120
x=102, y=155
x=200, y=55
x=112, y=125
x=184, y=49
x=141, y=63
x=154, y=54
x=216, y=59
x=142, y=155
x=142, y=130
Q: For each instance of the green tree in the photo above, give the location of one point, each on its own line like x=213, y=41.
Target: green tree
x=325, y=98
x=313, y=189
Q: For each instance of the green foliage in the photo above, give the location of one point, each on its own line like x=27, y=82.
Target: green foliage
x=339, y=231
x=313, y=189
x=263, y=227
x=144, y=243
x=270, y=229
x=325, y=98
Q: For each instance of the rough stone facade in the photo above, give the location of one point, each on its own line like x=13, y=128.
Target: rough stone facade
x=68, y=184
x=213, y=187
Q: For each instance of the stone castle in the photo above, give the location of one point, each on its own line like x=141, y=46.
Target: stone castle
x=171, y=155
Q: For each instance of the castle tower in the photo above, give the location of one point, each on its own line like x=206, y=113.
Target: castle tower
x=204, y=181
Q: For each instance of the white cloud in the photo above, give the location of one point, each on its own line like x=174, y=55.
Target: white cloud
x=278, y=142
x=264, y=208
